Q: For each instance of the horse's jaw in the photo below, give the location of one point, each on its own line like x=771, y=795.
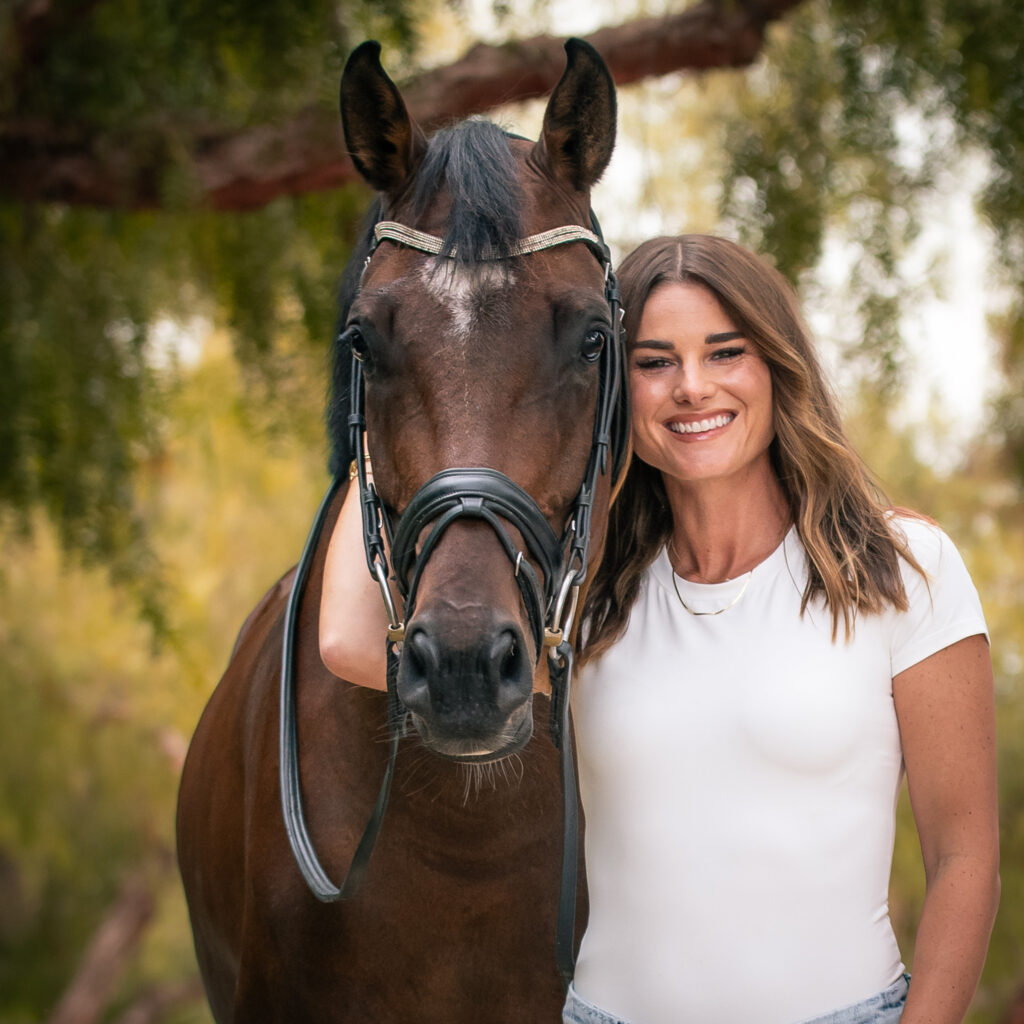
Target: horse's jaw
x=472, y=749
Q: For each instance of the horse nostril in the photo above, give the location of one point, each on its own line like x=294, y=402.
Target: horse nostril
x=507, y=669
x=421, y=664
x=504, y=657
x=422, y=651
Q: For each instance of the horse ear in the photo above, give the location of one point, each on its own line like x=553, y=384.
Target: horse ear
x=579, y=123
x=385, y=144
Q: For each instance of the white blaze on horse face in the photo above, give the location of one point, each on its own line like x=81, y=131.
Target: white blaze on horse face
x=465, y=291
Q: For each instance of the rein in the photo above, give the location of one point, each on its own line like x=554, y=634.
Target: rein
x=550, y=598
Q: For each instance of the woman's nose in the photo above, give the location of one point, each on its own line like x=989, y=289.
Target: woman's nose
x=692, y=385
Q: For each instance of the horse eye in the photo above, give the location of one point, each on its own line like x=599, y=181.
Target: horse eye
x=356, y=341
x=593, y=343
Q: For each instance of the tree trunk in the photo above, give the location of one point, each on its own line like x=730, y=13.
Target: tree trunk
x=154, y=1005
x=245, y=170
x=1015, y=1011
x=107, y=955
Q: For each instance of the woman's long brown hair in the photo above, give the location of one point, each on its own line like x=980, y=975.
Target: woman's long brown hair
x=842, y=517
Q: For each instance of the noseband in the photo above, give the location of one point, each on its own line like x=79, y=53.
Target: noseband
x=550, y=597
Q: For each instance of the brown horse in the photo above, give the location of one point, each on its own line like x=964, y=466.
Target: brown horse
x=477, y=351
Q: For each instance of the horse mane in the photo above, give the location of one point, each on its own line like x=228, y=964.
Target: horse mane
x=472, y=163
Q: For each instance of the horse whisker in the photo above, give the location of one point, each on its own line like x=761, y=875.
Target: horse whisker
x=477, y=776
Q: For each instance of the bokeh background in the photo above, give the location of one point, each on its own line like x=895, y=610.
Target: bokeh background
x=175, y=211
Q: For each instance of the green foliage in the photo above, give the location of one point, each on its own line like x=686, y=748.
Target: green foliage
x=95, y=721
x=87, y=295
x=979, y=507
x=74, y=382
x=166, y=65
x=84, y=374
x=857, y=109
x=73, y=672
x=815, y=147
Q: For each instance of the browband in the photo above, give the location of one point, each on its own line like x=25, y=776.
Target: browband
x=395, y=232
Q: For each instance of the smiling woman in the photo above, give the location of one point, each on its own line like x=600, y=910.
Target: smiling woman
x=768, y=644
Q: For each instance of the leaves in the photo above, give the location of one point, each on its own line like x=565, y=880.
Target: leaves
x=858, y=110
x=96, y=722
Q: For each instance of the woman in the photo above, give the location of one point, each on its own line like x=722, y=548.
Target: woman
x=767, y=645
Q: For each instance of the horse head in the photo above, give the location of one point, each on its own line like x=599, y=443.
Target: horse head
x=481, y=360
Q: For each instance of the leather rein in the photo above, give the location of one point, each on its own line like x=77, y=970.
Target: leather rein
x=550, y=598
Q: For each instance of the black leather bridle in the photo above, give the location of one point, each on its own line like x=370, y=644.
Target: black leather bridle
x=550, y=598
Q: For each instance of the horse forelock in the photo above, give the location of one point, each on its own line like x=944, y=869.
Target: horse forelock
x=472, y=164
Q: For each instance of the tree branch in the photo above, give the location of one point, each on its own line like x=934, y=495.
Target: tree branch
x=107, y=955
x=245, y=170
x=35, y=24
x=156, y=1004
x=1015, y=1011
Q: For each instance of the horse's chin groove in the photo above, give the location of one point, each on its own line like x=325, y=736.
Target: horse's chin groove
x=508, y=741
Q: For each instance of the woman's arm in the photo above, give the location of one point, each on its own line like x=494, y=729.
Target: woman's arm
x=946, y=715
x=353, y=621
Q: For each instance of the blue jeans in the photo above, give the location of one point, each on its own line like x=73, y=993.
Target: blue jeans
x=884, y=1008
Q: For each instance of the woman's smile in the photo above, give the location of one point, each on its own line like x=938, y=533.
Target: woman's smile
x=699, y=429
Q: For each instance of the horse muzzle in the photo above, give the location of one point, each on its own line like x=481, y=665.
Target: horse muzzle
x=469, y=691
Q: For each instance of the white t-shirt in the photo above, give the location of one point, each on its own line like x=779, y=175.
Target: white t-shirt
x=739, y=775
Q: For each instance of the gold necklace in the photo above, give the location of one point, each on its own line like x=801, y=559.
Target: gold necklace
x=672, y=558
x=732, y=604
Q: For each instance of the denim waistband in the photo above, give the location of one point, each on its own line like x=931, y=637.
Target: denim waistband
x=884, y=1008
x=578, y=1011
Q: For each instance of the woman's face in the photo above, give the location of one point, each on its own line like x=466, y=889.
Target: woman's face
x=701, y=393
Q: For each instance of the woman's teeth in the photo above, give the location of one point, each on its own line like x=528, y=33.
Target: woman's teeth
x=701, y=426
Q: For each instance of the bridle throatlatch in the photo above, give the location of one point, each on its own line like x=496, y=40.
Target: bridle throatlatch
x=550, y=597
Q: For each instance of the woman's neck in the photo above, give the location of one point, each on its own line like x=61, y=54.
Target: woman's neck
x=724, y=528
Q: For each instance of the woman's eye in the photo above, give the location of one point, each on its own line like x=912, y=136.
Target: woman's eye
x=593, y=343
x=727, y=353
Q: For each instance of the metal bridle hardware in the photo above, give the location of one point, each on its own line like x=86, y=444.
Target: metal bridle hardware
x=550, y=600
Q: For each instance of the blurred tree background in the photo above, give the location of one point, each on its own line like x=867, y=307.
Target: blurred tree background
x=175, y=211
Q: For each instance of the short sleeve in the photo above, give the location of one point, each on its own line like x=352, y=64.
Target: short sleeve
x=943, y=608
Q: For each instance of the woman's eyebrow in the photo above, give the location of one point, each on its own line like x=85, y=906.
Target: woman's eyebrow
x=714, y=339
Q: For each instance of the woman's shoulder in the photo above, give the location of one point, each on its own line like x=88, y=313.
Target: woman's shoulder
x=924, y=538
x=941, y=568
x=943, y=605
